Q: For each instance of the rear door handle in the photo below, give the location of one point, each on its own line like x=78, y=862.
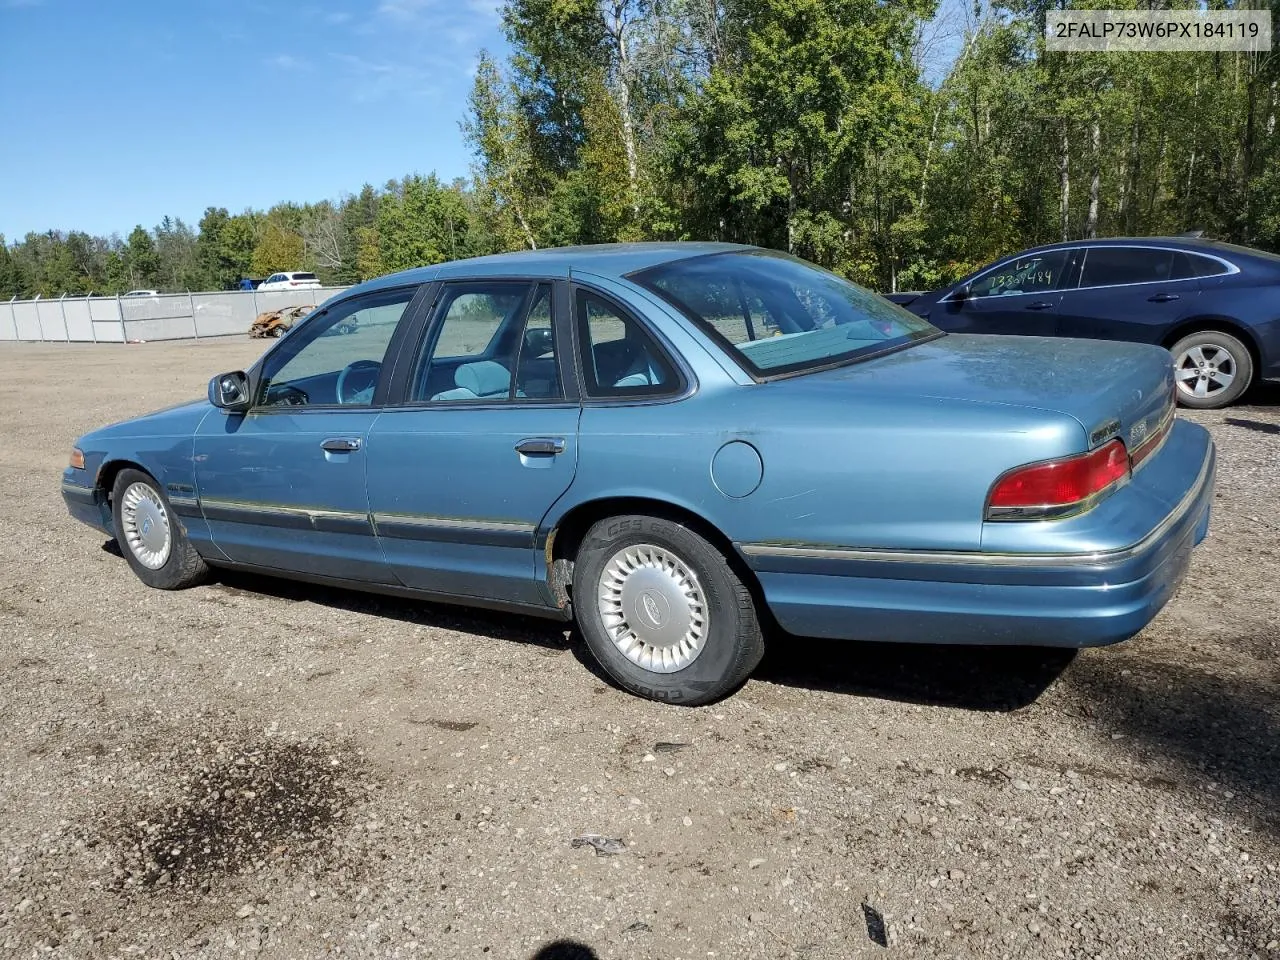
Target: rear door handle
x=1040, y=305
x=341, y=445
x=1163, y=298
x=544, y=446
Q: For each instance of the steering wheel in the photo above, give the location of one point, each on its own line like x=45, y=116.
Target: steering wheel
x=286, y=395
x=357, y=378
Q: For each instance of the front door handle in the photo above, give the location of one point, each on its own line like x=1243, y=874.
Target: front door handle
x=1163, y=298
x=544, y=446
x=341, y=445
x=1040, y=305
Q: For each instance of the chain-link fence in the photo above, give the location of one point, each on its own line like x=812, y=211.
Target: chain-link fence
x=168, y=316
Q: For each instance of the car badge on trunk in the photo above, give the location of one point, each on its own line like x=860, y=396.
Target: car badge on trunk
x=1104, y=432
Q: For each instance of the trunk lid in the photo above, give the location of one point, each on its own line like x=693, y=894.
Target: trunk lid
x=1110, y=388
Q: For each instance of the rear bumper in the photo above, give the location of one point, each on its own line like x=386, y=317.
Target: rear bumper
x=1053, y=600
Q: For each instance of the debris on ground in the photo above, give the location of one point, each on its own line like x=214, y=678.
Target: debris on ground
x=875, y=925
x=667, y=747
x=603, y=846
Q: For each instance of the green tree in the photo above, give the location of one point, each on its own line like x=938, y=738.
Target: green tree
x=225, y=245
x=420, y=222
x=177, y=253
x=505, y=169
x=11, y=283
x=278, y=249
x=358, y=215
x=141, y=259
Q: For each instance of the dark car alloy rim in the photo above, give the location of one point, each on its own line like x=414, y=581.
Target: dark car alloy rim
x=1205, y=370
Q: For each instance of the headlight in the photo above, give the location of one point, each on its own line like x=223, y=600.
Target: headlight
x=77, y=458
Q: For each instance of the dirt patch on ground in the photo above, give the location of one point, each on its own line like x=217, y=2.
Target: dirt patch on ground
x=169, y=785
x=229, y=809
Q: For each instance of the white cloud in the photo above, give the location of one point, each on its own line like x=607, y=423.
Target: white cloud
x=285, y=61
x=490, y=10
x=404, y=9
x=368, y=80
x=413, y=49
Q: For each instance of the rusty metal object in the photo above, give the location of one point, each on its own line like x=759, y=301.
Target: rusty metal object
x=274, y=323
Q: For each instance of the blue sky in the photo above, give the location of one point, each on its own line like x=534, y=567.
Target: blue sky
x=117, y=112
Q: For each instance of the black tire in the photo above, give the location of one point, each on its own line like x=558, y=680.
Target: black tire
x=731, y=641
x=1222, y=352
x=183, y=567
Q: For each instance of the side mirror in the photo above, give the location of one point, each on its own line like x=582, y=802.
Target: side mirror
x=230, y=391
x=965, y=292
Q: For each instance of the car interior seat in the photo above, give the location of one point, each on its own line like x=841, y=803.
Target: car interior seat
x=640, y=372
x=482, y=380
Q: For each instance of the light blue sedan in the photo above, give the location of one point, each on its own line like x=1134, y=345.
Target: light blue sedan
x=675, y=445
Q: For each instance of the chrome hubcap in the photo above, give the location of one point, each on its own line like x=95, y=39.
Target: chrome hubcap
x=1205, y=370
x=653, y=608
x=146, y=525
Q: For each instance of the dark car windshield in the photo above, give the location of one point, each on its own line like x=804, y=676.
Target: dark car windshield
x=778, y=314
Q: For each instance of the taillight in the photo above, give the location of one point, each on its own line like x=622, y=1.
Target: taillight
x=1058, y=488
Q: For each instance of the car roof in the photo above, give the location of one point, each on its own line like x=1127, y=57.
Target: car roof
x=606, y=259
x=1191, y=244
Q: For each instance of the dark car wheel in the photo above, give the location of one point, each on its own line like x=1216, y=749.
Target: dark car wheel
x=663, y=611
x=1212, y=369
x=150, y=536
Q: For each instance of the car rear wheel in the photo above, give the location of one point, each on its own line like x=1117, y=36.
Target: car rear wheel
x=663, y=611
x=150, y=536
x=1212, y=369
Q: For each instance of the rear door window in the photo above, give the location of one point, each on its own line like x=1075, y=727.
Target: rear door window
x=490, y=342
x=1113, y=266
x=619, y=357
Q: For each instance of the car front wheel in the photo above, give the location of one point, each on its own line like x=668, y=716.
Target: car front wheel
x=1212, y=369
x=663, y=611
x=150, y=536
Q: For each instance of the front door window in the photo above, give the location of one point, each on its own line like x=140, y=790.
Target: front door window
x=334, y=359
x=1030, y=273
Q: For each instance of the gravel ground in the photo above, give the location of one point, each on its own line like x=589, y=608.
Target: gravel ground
x=260, y=768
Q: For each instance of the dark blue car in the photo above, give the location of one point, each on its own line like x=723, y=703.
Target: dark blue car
x=1215, y=306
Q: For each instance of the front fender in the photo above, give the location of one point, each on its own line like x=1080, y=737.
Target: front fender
x=162, y=445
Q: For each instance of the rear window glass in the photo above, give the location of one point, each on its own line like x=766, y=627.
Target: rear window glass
x=777, y=314
x=1192, y=265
